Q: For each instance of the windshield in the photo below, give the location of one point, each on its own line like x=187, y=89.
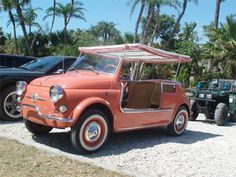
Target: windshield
x=213, y=85
x=221, y=85
x=96, y=63
x=41, y=64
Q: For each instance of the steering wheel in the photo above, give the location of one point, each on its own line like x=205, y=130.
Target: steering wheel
x=109, y=68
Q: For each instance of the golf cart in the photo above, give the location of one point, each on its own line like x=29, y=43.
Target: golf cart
x=215, y=102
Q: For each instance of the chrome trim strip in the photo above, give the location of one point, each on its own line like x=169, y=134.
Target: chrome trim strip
x=38, y=98
x=146, y=110
x=50, y=117
x=140, y=127
x=121, y=96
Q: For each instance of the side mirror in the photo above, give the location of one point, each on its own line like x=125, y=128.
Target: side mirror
x=59, y=71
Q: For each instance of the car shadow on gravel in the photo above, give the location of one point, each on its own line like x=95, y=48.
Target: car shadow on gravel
x=212, y=122
x=126, y=141
x=11, y=122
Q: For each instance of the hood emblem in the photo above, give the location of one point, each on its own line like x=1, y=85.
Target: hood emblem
x=35, y=97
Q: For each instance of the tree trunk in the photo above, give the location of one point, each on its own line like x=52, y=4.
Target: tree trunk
x=30, y=27
x=22, y=24
x=54, y=15
x=157, y=26
x=217, y=12
x=137, y=70
x=176, y=25
x=148, y=22
x=14, y=29
x=138, y=21
x=233, y=75
x=34, y=39
x=210, y=64
x=65, y=30
x=216, y=22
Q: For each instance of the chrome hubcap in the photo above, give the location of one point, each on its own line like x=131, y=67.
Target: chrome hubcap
x=93, y=132
x=180, y=121
x=11, y=106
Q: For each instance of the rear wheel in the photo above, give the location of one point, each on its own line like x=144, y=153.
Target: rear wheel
x=91, y=131
x=9, y=107
x=179, y=124
x=194, y=113
x=221, y=114
x=36, y=129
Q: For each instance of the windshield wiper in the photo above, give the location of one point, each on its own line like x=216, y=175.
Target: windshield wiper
x=72, y=69
x=25, y=68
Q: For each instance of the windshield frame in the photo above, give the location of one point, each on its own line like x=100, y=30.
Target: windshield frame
x=100, y=55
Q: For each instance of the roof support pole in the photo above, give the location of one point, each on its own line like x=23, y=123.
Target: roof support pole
x=177, y=71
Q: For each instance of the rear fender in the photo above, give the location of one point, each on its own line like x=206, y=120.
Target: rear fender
x=179, y=104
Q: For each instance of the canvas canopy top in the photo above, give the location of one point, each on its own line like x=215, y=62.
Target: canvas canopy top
x=136, y=53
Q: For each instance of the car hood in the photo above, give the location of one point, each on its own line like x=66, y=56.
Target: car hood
x=76, y=80
x=16, y=71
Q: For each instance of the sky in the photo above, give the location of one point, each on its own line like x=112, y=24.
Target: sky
x=118, y=11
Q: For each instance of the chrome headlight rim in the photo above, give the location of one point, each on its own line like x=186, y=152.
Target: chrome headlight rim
x=56, y=93
x=20, y=87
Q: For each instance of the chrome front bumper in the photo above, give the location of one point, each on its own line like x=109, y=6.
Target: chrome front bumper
x=49, y=117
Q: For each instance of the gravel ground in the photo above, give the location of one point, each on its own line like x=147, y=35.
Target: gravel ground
x=204, y=150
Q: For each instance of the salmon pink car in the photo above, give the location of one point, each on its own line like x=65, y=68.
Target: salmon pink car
x=95, y=97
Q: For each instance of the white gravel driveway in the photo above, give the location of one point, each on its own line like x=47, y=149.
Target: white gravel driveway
x=204, y=150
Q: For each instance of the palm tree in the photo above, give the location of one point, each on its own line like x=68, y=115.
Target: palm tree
x=67, y=11
x=7, y=5
x=216, y=22
x=53, y=15
x=30, y=16
x=19, y=5
x=106, y=31
x=217, y=13
x=176, y=25
x=159, y=3
x=222, y=43
x=135, y=3
x=150, y=14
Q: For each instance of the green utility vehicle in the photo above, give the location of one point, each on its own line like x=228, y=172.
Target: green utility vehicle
x=215, y=101
x=232, y=101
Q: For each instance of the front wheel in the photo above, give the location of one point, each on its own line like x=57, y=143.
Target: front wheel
x=91, y=131
x=221, y=114
x=179, y=124
x=36, y=129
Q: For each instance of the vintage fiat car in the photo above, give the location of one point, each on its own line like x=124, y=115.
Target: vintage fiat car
x=94, y=97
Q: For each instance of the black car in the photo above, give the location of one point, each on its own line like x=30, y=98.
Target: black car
x=9, y=108
x=13, y=61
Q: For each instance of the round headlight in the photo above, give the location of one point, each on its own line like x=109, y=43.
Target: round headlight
x=56, y=93
x=20, y=87
x=209, y=96
x=201, y=95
